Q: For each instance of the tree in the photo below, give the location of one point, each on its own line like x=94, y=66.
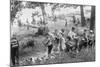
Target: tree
x=82, y=16
x=42, y=6
x=53, y=9
x=92, y=21
x=27, y=24
x=14, y=8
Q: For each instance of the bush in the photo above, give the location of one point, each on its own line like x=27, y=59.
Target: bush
x=43, y=31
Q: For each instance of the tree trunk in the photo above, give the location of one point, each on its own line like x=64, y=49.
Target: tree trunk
x=82, y=16
x=27, y=24
x=43, y=12
x=92, y=21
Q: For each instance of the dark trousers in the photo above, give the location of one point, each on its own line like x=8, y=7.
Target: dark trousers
x=14, y=55
x=50, y=48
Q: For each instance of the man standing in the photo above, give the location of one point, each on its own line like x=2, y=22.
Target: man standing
x=14, y=50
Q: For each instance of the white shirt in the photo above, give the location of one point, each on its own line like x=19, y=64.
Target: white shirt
x=72, y=34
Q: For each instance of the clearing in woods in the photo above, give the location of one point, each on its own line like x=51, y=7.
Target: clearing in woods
x=39, y=50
